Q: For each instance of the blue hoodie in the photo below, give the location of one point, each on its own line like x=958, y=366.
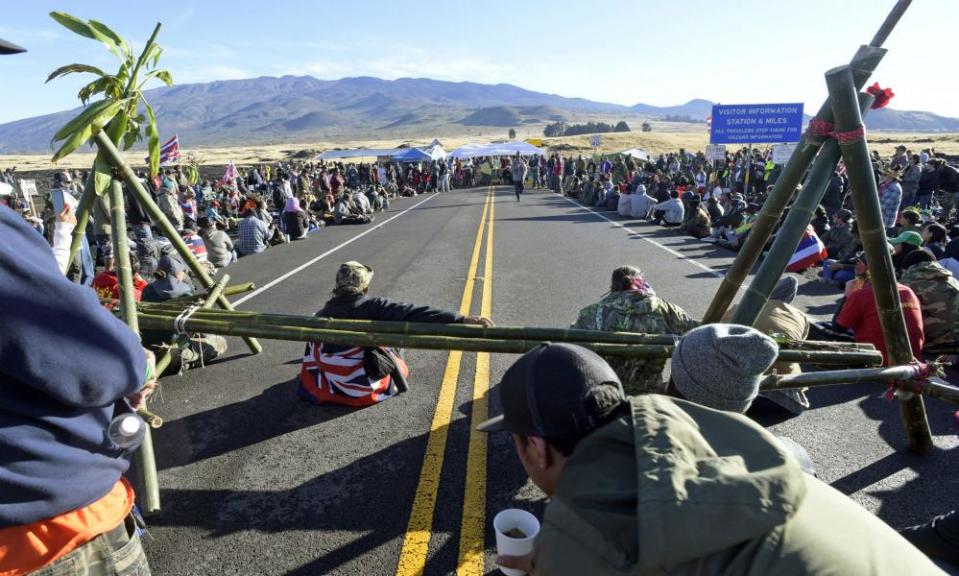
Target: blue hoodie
x=64, y=361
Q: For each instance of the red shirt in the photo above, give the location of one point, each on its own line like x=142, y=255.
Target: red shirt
x=859, y=314
x=108, y=287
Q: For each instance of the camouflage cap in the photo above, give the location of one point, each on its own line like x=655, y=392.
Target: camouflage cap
x=353, y=276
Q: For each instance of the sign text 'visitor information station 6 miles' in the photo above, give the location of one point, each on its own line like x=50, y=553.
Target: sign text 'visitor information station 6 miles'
x=756, y=123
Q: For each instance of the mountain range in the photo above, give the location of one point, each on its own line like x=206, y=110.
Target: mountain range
x=269, y=110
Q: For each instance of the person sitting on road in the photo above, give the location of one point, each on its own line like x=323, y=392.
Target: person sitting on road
x=631, y=305
x=641, y=203
x=780, y=317
x=357, y=376
x=219, y=245
x=696, y=222
x=938, y=293
x=860, y=315
x=657, y=485
x=343, y=213
x=106, y=283
x=904, y=244
x=934, y=235
x=294, y=219
x=254, y=234
x=669, y=213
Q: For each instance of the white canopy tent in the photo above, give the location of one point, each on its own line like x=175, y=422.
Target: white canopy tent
x=358, y=153
x=497, y=149
x=638, y=153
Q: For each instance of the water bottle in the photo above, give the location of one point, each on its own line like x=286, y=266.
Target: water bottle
x=127, y=431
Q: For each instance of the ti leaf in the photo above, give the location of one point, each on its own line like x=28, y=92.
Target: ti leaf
x=153, y=142
x=81, y=128
x=74, y=24
x=71, y=68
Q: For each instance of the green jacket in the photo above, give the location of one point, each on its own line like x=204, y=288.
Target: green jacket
x=681, y=489
x=627, y=311
x=938, y=293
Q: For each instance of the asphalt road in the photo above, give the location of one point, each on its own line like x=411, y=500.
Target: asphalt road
x=254, y=481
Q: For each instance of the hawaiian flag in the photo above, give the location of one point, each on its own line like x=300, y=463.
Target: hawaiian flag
x=169, y=152
x=335, y=374
x=811, y=251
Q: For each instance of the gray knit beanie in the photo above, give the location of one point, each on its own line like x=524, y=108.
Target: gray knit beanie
x=785, y=290
x=719, y=365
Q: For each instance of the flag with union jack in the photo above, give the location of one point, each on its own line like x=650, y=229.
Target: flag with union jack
x=169, y=152
x=811, y=251
x=335, y=374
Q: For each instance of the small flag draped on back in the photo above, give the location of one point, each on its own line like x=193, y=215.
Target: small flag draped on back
x=811, y=251
x=169, y=152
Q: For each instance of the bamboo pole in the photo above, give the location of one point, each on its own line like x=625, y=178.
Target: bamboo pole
x=106, y=145
x=229, y=325
x=855, y=153
x=144, y=456
x=897, y=374
x=865, y=61
x=474, y=331
x=83, y=216
x=121, y=257
x=181, y=339
x=790, y=233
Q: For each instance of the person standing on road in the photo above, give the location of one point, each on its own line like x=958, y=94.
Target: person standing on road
x=631, y=305
x=66, y=363
x=519, y=171
x=657, y=485
x=357, y=376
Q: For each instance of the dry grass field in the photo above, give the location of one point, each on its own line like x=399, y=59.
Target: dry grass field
x=665, y=137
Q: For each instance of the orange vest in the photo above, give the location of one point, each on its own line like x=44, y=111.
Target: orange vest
x=24, y=549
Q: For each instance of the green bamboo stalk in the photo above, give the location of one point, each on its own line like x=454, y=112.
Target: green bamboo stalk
x=233, y=326
x=471, y=331
x=121, y=257
x=938, y=390
x=144, y=457
x=865, y=62
x=106, y=145
x=83, y=216
x=842, y=92
x=180, y=340
x=790, y=233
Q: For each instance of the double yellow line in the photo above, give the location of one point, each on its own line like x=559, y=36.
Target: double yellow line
x=418, y=532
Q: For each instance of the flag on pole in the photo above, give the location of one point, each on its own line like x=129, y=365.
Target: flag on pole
x=169, y=152
x=230, y=174
x=811, y=251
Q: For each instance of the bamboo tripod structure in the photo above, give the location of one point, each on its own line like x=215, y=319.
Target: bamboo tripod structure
x=845, y=107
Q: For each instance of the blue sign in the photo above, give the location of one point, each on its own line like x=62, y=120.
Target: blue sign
x=756, y=123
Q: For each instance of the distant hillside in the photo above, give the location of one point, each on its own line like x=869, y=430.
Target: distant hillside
x=300, y=108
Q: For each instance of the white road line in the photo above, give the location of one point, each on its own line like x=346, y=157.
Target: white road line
x=646, y=238
x=309, y=263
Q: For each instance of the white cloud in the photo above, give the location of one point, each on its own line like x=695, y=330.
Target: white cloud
x=185, y=15
x=23, y=34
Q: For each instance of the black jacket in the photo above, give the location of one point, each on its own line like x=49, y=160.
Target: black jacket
x=362, y=307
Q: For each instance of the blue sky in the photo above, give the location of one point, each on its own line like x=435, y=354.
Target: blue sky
x=623, y=51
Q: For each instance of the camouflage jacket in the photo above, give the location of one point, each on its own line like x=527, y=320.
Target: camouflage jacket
x=632, y=312
x=841, y=242
x=938, y=293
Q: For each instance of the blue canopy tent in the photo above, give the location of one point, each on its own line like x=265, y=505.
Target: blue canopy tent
x=412, y=155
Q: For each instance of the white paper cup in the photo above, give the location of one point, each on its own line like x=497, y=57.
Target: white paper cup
x=507, y=545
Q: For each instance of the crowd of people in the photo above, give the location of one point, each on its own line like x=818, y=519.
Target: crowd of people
x=575, y=417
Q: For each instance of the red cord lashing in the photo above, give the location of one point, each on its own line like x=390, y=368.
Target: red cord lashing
x=850, y=136
x=916, y=384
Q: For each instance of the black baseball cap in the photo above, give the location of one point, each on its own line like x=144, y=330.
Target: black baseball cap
x=555, y=390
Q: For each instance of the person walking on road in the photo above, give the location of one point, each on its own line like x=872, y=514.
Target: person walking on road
x=357, y=376
x=519, y=171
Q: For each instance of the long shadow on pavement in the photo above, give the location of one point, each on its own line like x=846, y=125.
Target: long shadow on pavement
x=235, y=426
